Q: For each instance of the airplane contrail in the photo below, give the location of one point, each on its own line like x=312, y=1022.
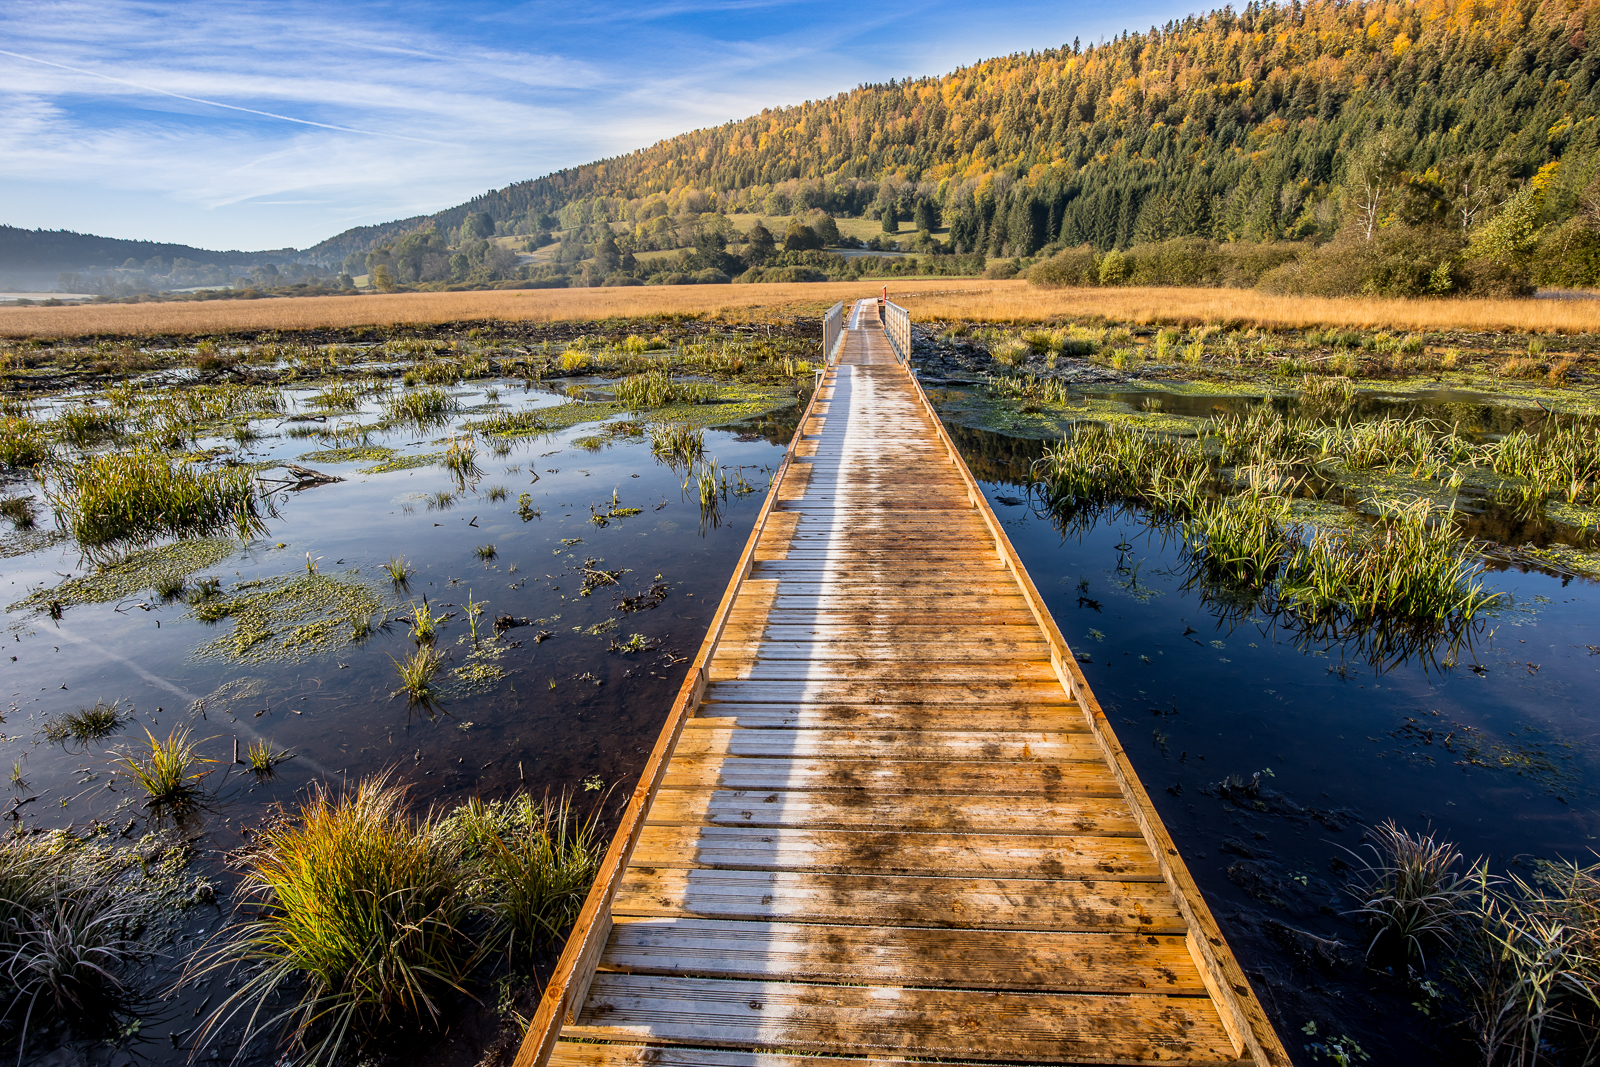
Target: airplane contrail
x=214, y=103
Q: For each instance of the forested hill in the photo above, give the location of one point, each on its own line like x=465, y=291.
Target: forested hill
x=1233, y=125
x=58, y=250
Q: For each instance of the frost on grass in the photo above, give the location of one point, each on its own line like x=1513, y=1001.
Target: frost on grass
x=152, y=568
x=289, y=617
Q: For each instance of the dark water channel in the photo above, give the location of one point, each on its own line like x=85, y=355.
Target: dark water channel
x=1503, y=759
x=570, y=715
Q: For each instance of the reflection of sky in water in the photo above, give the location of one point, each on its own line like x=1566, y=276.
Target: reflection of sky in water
x=335, y=712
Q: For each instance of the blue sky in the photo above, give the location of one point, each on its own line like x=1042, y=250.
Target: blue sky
x=281, y=122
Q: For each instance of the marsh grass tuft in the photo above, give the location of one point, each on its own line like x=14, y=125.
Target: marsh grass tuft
x=461, y=459
x=85, y=724
x=167, y=771
x=399, y=571
x=23, y=442
x=485, y=552
x=1410, y=890
x=121, y=499
x=19, y=511
x=264, y=759
x=361, y=908
x=676, y=443
x=656, y=388
x=417, y=677
x=424, y=407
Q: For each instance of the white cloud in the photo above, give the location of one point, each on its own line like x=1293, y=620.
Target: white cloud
x=359, y=113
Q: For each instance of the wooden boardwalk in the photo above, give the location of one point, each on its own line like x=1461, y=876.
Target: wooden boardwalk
x=887, y=818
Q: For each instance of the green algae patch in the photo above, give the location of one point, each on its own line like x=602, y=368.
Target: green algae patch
x=163, y=567
x=290, y=617
x=405, y=463
x=357, y=454
x=1576, y=515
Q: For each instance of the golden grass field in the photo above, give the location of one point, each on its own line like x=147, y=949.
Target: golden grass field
x=404, y=309
x=945, y=299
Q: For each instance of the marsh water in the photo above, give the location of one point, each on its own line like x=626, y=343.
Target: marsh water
x=1265, y=751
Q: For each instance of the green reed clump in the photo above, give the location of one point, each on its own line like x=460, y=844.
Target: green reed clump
x=676, y=443
x=1028, y=387
x=424, y=407
x=86, y=425
x=532, y=864
x=1534, y=981
x=364, y=911
x=264, y=759
x=167, y=772
x=1095, y=464
x=399, y=571
x=23, y=442
x=1410, y=891
x=1244, y=539
x=461, y=459
x=510, y=423
x=338, y=396
x=122, y=499
x=656, y=388
x=485, y=552
x=418, y=674
x=85, y=724
x=1561, y=459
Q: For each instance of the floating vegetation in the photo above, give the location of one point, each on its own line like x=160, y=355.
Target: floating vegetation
x=167, y=771
x=163, y=568
x=353, y=454
x=340, y=396
x=85, y=724
x=441, y=500
x=496, y=493
x=289, y=617
x=123, y=499
x=485, y=552
x=424, y=623
x=405, y=463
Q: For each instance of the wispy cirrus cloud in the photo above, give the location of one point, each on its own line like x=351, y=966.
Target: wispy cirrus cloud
x=249, y=125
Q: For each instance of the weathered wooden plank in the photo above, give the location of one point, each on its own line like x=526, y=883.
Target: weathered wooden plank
x=891, y=744
x=995, y=718
x=1080, y=1028
x=1042, y=961
x=933, y=777
x=606, y=1054
x=1085, y=858
x=881, y=672
x=989, y=814
x=897, y=692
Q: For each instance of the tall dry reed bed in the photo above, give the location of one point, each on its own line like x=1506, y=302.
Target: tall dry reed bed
x=374, y=916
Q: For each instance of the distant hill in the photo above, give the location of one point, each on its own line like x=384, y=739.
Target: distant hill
x=1232, y=125
x=32, y=259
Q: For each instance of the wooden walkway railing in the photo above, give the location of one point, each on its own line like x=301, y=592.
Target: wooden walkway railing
x=886, y=817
